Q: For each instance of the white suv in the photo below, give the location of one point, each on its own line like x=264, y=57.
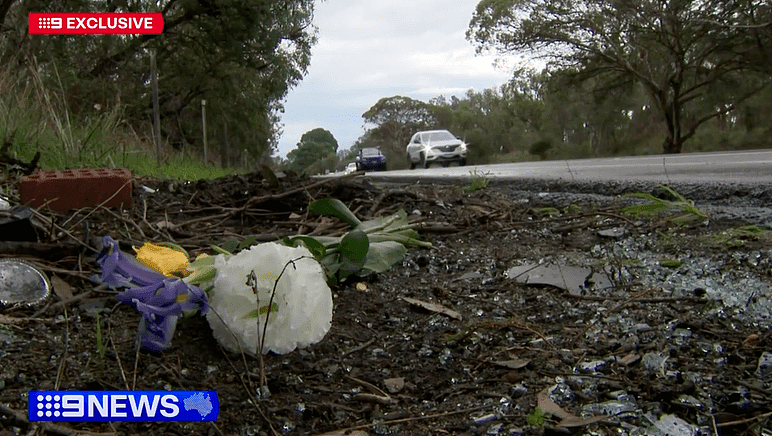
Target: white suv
x=440, y=146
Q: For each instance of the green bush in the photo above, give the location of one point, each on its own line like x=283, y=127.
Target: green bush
x=540, y=148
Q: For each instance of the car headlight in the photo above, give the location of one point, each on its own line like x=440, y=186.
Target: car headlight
x=461, y=148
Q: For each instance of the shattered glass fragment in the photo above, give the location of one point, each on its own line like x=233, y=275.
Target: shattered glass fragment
x=494, y=430
x=764, y=368
x=561, y=393
x=445, y=356
x=504, y=406
x=484, y=419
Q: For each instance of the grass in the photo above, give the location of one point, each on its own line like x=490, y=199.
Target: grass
x=34, y=118
x=654, y=206
x=478, y=181
x=740, y=237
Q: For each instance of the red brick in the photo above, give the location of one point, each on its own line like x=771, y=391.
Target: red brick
x=74, y=189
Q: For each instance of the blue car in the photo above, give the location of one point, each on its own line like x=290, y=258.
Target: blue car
x=369, y=159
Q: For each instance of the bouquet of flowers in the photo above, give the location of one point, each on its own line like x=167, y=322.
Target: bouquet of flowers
x=268, y=297
x=251, y=304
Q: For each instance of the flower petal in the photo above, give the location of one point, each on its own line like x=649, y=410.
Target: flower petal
x=119, y=269
x=161, y=259
x=303, y=299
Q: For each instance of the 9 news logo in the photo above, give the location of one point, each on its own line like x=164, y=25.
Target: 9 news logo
x=123, y=406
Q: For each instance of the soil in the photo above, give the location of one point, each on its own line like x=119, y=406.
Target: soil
x=648, y=358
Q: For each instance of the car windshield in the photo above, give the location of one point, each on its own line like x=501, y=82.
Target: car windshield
x=437, y=136
x=370, y=152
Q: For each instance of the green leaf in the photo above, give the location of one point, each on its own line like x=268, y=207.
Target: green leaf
x=201, y=274
x=246, y=242
x=315, y=247
x=336, y=208
x=262, y=311
x=644, y=196
x=406, y=238
x=383, y=255
x=384, y=223
x=354, y=245
x=353, y=251
x=220, y=250
x=231, y=245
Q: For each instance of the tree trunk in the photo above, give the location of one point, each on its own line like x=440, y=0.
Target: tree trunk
x=224, y=146
x=671, y=145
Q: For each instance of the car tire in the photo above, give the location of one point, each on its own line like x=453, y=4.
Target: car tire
x=410, y=162
x=462, y=162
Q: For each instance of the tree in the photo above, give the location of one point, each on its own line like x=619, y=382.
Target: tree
x=678, y=50
x=315, y=153
x=242, y=56
x=397, y=119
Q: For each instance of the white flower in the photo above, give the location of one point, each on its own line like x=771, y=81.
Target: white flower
x=303, y=301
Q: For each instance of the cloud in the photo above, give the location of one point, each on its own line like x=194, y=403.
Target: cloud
x=372, y=49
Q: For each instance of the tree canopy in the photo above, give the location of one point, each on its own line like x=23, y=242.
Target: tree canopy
x=241, y=56
x=315, y=153
x=396, y=119
x=682, y=52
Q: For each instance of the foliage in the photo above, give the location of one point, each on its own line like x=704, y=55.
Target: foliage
x=682, y=53
x=478, y=181
x=656, y=205
x=370, y=247
x=315, y=152
x=396, y=119
x=36, y=119
x=241, y=56
x=540, y=148
x=671, y=263
x=537, y=418
x=739, y=237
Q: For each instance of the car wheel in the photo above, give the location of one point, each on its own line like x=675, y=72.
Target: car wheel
x=462, y=162
x=410, y=162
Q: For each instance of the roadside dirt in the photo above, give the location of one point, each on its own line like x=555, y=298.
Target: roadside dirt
x=644, y=357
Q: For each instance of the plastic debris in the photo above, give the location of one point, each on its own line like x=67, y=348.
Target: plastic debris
x=573, y=279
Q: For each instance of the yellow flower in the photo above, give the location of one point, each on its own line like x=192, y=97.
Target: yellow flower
x=165, y=260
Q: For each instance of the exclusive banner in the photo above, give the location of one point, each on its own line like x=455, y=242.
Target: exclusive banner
x=86, y=23
x=123, y=406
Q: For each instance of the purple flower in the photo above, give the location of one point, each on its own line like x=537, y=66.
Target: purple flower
x=120, y=270
x=161, y=300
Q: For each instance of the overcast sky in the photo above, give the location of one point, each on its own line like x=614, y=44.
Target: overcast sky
x=371, y=49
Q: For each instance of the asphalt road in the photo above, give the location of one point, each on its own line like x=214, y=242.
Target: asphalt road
x=729, y=167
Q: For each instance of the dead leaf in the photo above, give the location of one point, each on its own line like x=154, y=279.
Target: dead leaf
x=629, y=359
x=433, y=307
x=394, y=385
x=4, y=319
x=373, y=398
x=567, y=420
x=269, y=176
x=513, y=363
x=362, y=287
x=62, y=289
